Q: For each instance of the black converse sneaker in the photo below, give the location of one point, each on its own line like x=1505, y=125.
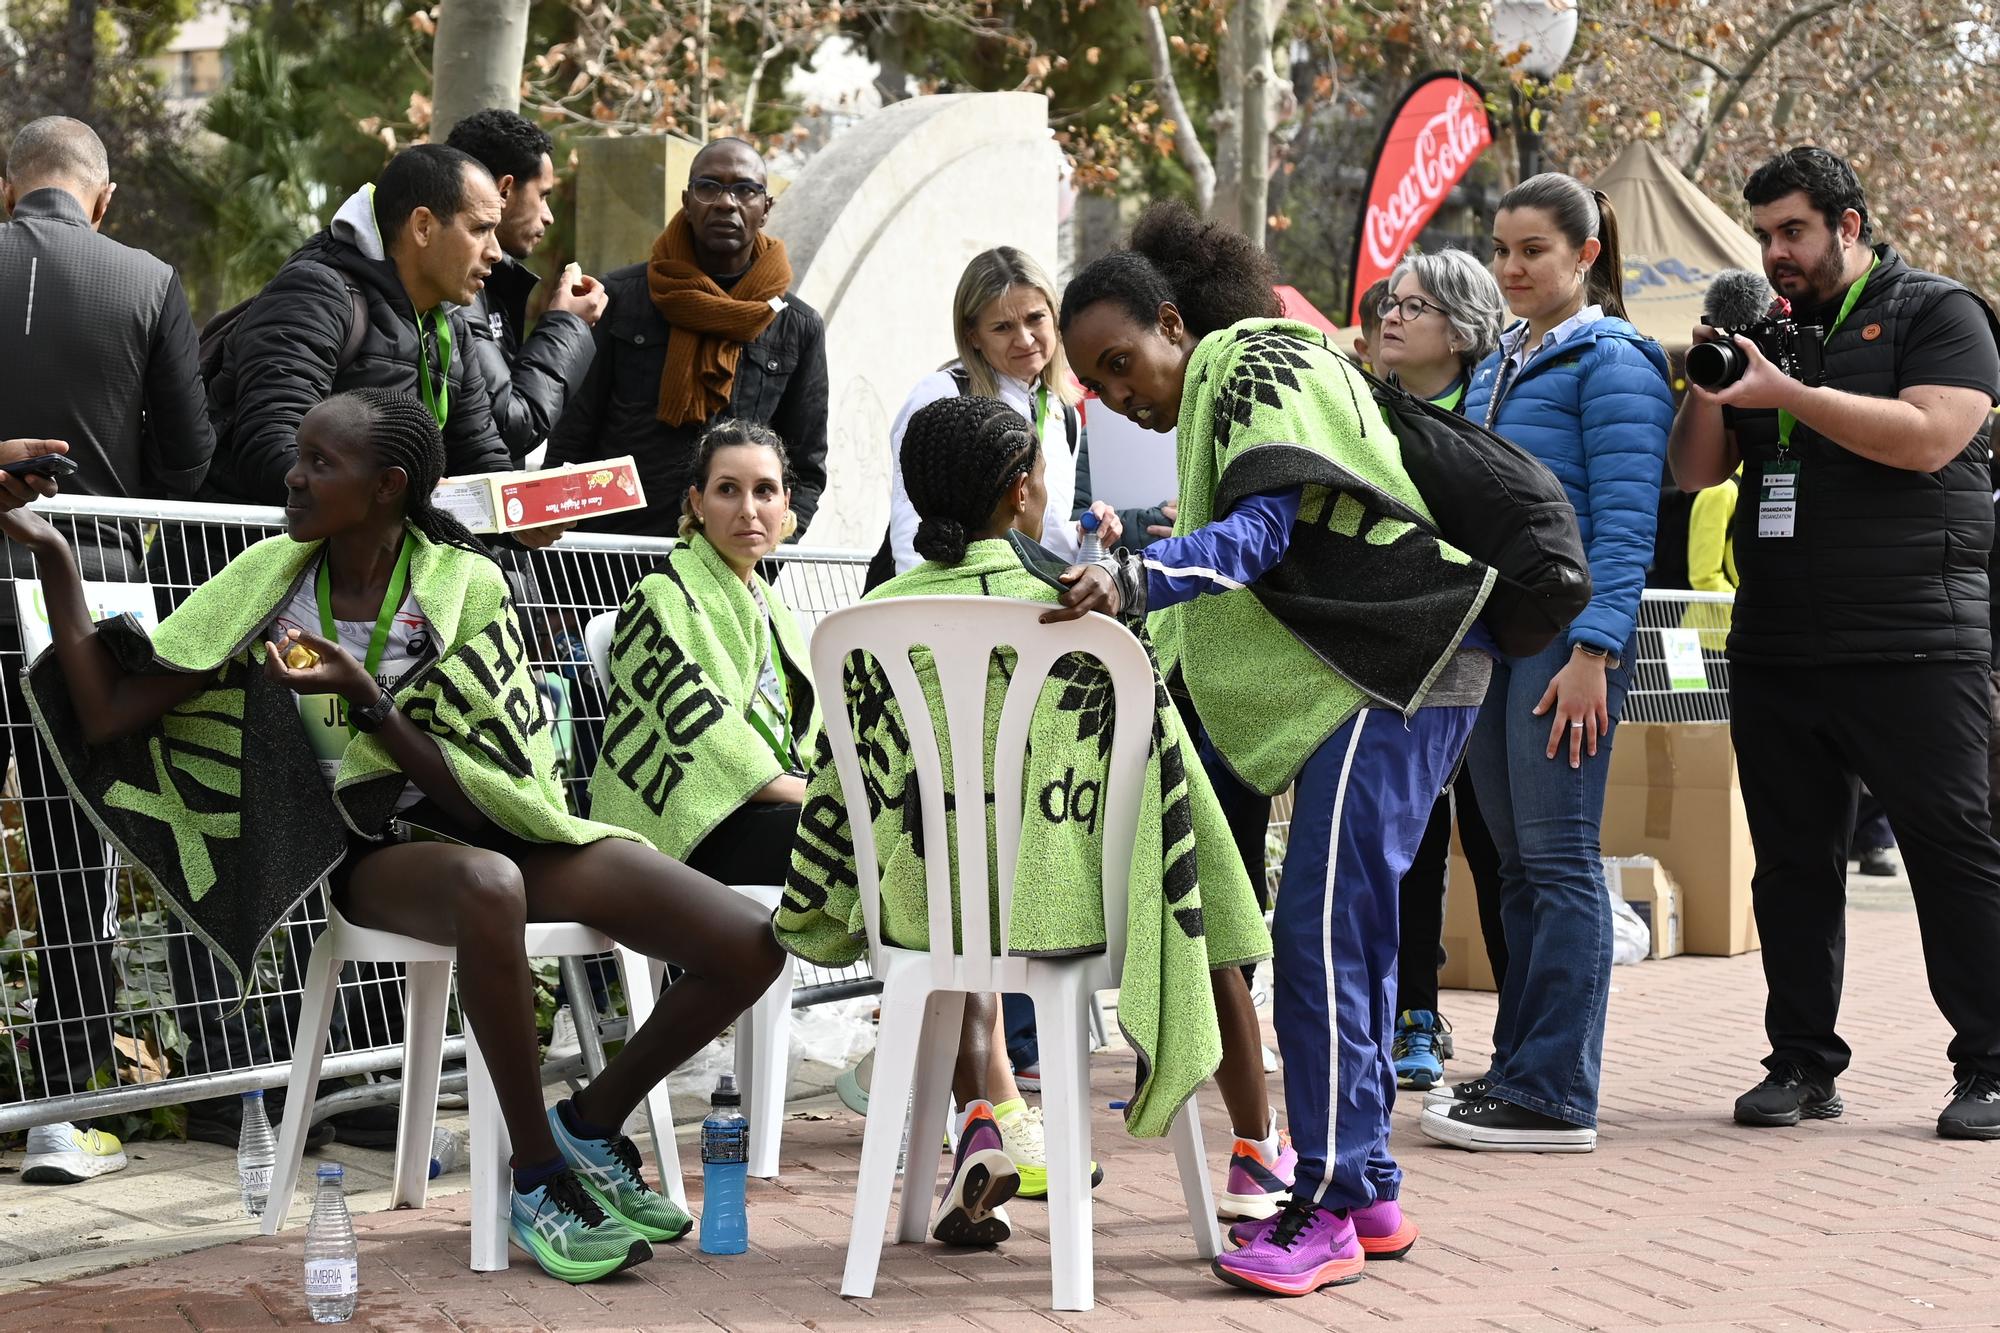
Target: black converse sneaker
x=1974, y=1112
x=1788, y=1095
x=1491, y=1125
x=1447, y=1097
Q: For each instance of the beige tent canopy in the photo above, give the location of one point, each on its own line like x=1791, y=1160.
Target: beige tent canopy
x=1675, y=239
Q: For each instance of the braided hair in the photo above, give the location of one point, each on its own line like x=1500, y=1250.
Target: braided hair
x=1212, y=273
x=960, y=454
x=406, y=435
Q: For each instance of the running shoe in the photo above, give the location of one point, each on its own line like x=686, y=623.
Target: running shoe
x=62, y=1154
x=982, y=1178
x=560, y=1223
x=609, y=1169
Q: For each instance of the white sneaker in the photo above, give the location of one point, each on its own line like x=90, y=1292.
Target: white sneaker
x=1022, y=1135
x=62, y=1154
x=563, y=1040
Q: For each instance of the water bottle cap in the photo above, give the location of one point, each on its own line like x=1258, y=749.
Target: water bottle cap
x=1089, y=520
x=331, y=1171
x=726, y=1093
x=255, y=1094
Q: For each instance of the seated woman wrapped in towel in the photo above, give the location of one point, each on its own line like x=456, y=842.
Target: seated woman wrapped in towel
x=712, y=713
x=352, y=701
x=973, y=469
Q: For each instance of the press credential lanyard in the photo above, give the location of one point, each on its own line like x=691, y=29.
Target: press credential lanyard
x=1041, y=412
x=392, y=602
x=1778, y=497
x=436, y=397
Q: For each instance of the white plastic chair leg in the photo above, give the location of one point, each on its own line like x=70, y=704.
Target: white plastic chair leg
x=930, y=1103
x=1193, y=1161
x=426, y=998
x=642, y=989
x=1062, y=1015
x=308, y=1050
x=490, y=1147
x=763, y=1070
x=1100, y=1032
x=888, y=1100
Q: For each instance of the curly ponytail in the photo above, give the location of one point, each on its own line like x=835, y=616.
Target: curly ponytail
x=405, y=435
x=960, y=454
x=1213, y=274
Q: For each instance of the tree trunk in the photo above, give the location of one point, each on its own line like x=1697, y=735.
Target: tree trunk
x=476, y=61
x=1256, y=18
x=1186, y=142
x=1227, y=122
x=80, y=57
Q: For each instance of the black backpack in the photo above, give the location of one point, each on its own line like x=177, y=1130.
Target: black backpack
x=882, y=567
x=1496, y=502
x=215, y=334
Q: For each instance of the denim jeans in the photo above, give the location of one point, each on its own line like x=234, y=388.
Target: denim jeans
x=1548, y=1038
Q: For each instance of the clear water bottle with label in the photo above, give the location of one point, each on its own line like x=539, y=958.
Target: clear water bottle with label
x=725, y=1161
x=1093, y=545
x=256, y=1150
x=333, y=1266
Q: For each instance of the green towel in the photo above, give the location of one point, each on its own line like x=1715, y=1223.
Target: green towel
x=1369, y=603
x=681, y=753
x=222, y=800
x=1190, y=907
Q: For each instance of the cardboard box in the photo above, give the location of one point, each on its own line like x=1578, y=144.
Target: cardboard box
x=513, y=501
x=1673, y=796
x=1651, y=893
x=1466, y=966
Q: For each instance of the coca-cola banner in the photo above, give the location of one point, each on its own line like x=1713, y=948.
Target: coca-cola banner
x=1432, y=139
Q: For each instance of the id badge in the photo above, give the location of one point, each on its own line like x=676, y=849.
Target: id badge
x=325, y=716
x=1778, y=499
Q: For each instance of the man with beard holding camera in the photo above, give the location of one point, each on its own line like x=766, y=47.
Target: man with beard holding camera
x=1860, y=642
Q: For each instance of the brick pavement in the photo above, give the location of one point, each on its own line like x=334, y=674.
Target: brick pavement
x=1679, y=1220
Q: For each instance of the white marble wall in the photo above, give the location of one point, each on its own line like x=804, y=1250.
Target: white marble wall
x=879, y=226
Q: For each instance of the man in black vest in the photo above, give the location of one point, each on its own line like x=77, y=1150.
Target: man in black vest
x=1860, y=644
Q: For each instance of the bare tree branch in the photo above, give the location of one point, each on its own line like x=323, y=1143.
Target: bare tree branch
x=1193, y=156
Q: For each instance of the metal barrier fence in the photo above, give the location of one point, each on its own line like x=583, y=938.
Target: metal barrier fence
x=106, y=1004
x=1680, y=674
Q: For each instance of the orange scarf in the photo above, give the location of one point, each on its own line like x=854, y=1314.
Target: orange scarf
x=708, y=326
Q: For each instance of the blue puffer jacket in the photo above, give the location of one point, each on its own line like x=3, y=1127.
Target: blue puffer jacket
x=1595, y=409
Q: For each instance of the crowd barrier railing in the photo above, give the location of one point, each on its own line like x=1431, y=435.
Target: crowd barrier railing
x=107, y=1004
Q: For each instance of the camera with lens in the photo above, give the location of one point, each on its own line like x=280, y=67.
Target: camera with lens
x=1790, y=346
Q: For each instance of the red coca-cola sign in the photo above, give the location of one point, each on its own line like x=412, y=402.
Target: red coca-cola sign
x=1432, y=139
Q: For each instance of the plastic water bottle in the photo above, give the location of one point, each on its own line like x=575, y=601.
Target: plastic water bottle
x=256, y=1150
x=447, y=1151
x=333, y=1269
x=725, y=1160
x=1093, y=545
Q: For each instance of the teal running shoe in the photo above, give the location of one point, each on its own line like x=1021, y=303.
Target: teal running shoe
x=570, y=1236
x=609, y=1169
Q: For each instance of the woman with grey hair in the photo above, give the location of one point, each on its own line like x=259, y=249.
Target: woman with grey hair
x=1442, y=315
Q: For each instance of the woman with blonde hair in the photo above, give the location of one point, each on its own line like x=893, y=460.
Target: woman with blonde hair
x=1004, y=321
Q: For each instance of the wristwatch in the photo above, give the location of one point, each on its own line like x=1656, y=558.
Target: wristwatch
x=1611, y=662
x=374, y=715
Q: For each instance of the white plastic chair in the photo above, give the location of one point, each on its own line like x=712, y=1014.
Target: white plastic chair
x=427, y=996
x=923, y=991
x=764, y=1035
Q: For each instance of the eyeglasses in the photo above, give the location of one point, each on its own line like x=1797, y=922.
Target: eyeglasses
x=709, y=191
x=1411, y=307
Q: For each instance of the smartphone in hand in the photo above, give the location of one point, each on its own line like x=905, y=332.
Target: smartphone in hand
x=46, y=465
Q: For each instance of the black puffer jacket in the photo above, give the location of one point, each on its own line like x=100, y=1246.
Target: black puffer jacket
x=529, y=379
x=1886, y=564
x=281, y=356
x=780, y=382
